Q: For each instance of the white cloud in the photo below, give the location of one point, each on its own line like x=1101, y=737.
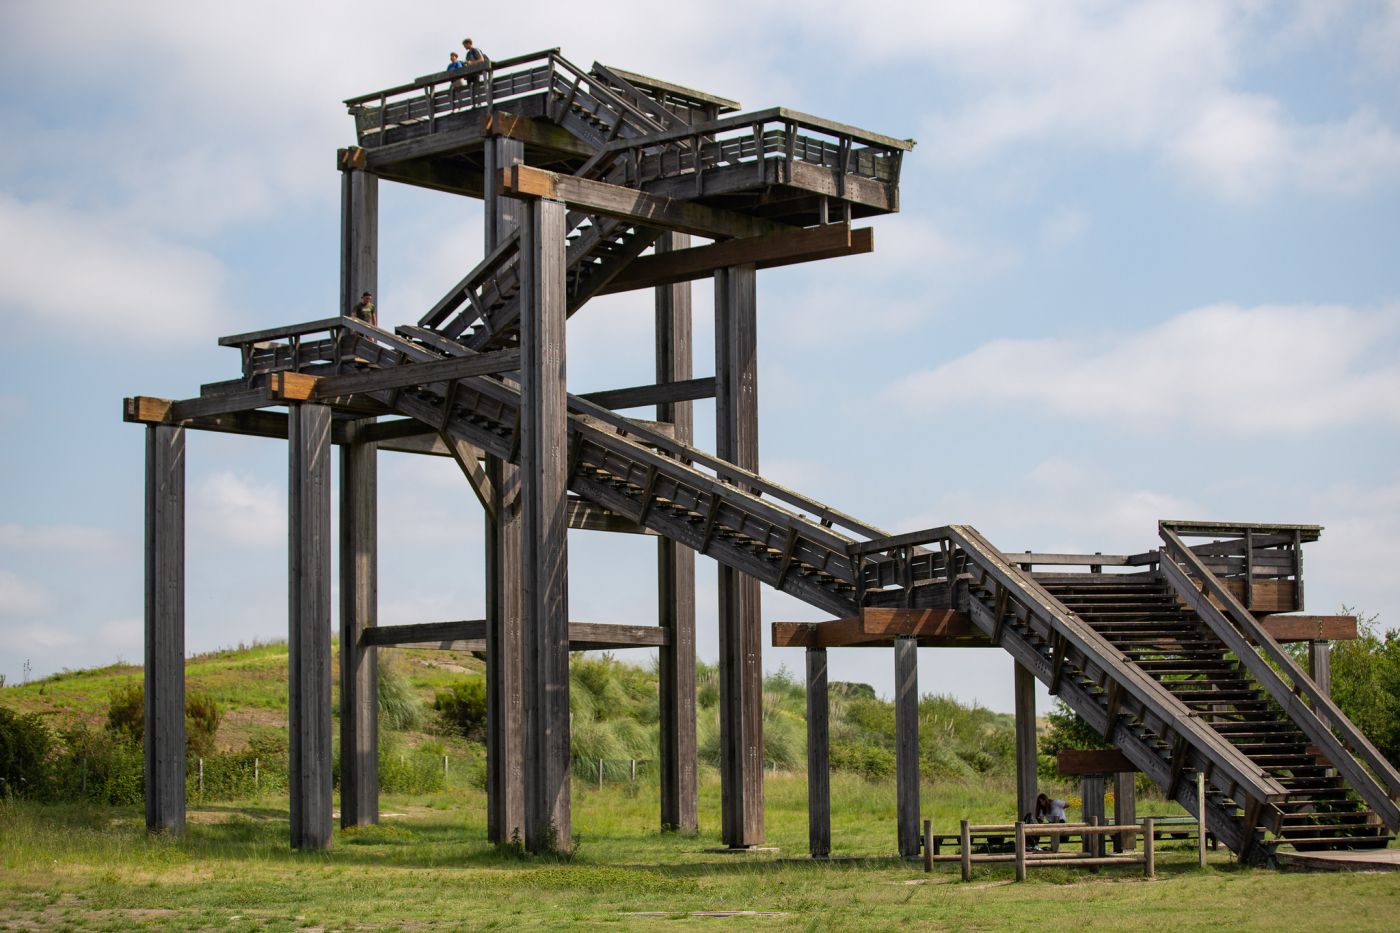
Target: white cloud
x=83, y=275
x=19, y=597
x=1220, y=368
x=124, y=635
x=37, y=639
x=63, y=539
x=241, y=511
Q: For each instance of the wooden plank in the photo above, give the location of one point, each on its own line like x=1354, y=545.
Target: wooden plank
x=359, y=234
x=676, y=573
x=293, y=387
x=631, y=205
x=1309, y=628
x=906, y=744
x=469, y=461
x=419, y=374
x=164, y=671
x=1093, y=761
x=143, y=409
x=587, y=516
x=309, y=627
x=740, y=625
x=1320, y=665
x=662, y=393
x=536, y=133
x=878, y=627
x=818, y=755
x=359, y=605
x=456, y=630
x=281, y=332
x=765, y=252
x=544, y=526
x=187, y=410
x=583, y=636
x=721, y=104
x=1026, y=778
x=593, y=636
x=1125, y=807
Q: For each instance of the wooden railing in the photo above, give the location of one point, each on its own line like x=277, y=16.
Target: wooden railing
x=1261, y=564
x=1310, y=708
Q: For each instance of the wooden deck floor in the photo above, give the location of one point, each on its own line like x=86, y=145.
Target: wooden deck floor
x=1347, y=860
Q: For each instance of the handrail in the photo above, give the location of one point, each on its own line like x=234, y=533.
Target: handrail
x=418, y=84
x=770, y=115
x=1237, y=627
x=1226, y=758
x=1190, y=529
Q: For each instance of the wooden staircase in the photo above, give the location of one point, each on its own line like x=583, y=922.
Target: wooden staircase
x=1140, y=615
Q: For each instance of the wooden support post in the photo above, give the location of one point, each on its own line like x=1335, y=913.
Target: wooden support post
x=928, y=845
x=359, y=603
x=676, y=574
x=309, y=626
x=1020, y=851
x=359, y=235
x=1125, y=807
x=1320, y=665
x=1026, y=785
x=544, y=527
x=505, y=730
x=965, y=845
x=1201, y=817
x=165, y=629
x=1091, y=807
x=740, y=634
x=818, y=755
x=906, y=743
x=1149, y=849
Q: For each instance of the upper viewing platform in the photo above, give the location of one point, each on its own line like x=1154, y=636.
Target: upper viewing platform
x=628, y=129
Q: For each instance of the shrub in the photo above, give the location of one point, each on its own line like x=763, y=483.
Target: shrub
x=869, y=761
x=399, y=706
x=463, y=708
x=126, y=712
x=24, y=751
x=126, y=717
x=94, y=768
x=202, y=718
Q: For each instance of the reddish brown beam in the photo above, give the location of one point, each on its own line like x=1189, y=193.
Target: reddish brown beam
x=1310, y=628
x=764, y=252
x=1093, y=761
x=878, y=627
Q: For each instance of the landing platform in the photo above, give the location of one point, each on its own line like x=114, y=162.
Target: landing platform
x=1349, y=860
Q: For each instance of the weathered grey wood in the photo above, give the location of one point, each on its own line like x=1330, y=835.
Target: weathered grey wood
x=419, y=374
x=965, y=844
x=667, y=393
x=1092, y=807
x=740, y=634
x=1149, y=849
x=309, y=626
x=1020, y=850
x=505, y=726
x=359, y=237
x=544, y=525
x=818, y=755
x=469, y=460
x=165, y=629
x=1201, y=819
x=359, y=604
x=1320, y=665
x=676, y=572
x=1125, y=807
x=1026, y=784
x=906, y=743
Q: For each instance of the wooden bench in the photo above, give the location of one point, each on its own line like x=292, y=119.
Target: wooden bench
x=1024, y=857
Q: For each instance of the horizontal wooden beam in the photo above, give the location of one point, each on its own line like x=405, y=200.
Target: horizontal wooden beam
x=418, y=374
x=666, y=393
x=536, y=133
x=1093, y=761
x=629, y=204
x=585, y=516
x=1310, y=628
x=879, y=627
x=765, y=252
x=583, y=636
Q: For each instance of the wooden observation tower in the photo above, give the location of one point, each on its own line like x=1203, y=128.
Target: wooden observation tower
x=594, y=182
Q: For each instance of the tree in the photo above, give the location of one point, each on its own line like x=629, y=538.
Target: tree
x=1366, y=682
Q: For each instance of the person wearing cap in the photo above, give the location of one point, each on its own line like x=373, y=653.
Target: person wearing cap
x=365, y=310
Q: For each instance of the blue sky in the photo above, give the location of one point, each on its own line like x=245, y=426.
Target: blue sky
x=1147, y=266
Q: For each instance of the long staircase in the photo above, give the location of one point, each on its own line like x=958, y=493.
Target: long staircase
x=1165, y=662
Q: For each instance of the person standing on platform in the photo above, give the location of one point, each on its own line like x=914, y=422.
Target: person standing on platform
x=365, y=310
x=452, y=63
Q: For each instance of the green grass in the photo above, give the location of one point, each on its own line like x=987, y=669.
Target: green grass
x=426, y=866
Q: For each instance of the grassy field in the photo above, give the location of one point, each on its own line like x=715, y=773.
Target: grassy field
x=426, y=867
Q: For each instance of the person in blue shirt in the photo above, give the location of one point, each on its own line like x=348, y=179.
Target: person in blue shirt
x=452, y=63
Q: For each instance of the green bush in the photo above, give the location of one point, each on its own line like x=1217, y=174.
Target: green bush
x=126, y=717
x=399, y=706
x=869, y=761
x=94, y=768
x=408, y=771
x=25, y=743
x=463, y=708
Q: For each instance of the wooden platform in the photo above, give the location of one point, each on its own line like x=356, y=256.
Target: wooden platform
x=1346, y=860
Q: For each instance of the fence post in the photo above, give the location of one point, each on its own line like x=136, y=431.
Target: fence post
x=928, y=845
x=201, y=780
x=1201, y=817
x=965, y=840
x=600, y=774
x=444, y=772
x=1020, y=851
x=257, y=775
x=1149, y=852
x=634, y=770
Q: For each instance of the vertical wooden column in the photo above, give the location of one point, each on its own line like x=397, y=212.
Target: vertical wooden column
x=906, y=743
x=1026, y=785
x=1125, y=807
x=1320, y=665
x=740, y=634
x=1091, y=806
x=359, y=230
x=544, y=560
x=818, y=755
x=309, y=626
x=359, y=605
x=505, y=729
x=675, y=575
x=165, y=629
